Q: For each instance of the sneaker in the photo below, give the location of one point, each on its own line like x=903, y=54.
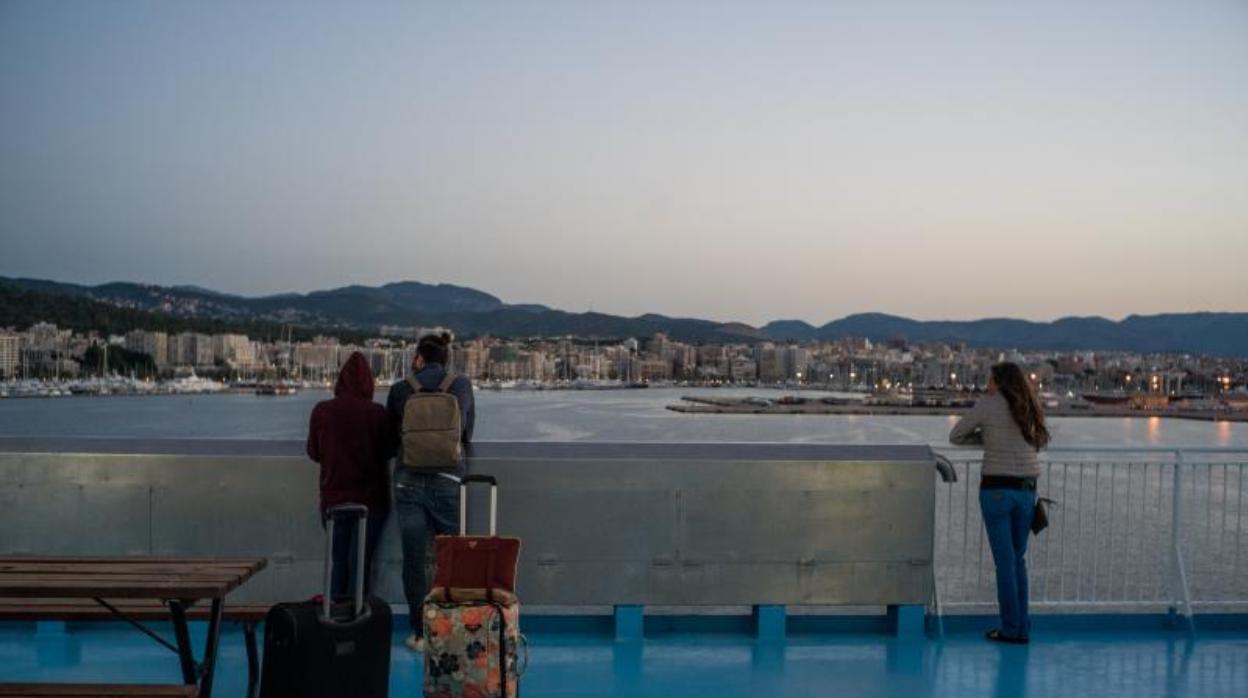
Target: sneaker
x=415, y=643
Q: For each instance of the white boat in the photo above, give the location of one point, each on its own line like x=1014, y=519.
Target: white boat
x=194, y=384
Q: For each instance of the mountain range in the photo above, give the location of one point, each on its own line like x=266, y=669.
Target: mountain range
x=469, y=312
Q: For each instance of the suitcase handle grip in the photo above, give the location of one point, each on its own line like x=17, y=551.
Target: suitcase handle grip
x=347, y=509
x=463, y=502
x=361, y=528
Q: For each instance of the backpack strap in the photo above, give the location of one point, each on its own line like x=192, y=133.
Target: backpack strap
x=445, y=385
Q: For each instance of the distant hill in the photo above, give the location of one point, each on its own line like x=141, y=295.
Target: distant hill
x=1224, y=334
x=23, y=307
x=363, y=309
x=367, y=308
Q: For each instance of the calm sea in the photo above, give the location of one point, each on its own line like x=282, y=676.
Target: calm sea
x=617, y=415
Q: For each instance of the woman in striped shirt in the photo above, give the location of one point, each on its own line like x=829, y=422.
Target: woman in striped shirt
x=1009, y=423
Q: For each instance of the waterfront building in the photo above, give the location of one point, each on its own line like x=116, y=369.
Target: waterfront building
x=45, y=351
x=10, y=355
x=190, y=350
x=796, y=363
x=770, y=363
x=743, y=370
x=713, y=356
x=154, y=344
x=320, y=359
x=235, y=350
x=684, y=362
x=655, y=369
x=470, y=358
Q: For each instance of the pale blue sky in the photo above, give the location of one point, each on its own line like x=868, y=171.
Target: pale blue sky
x=746, y=161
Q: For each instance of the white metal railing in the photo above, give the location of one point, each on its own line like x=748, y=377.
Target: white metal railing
x=1134, y=529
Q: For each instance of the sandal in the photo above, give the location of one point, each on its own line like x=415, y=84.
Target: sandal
x=995, y=635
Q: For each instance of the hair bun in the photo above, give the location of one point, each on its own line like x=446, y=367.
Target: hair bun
x=445, y=337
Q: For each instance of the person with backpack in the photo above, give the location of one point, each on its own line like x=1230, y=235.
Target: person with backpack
x=432, y=414
x=352, y=440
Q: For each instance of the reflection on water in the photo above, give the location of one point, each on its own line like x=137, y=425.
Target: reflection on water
x=1154, y=431
x=1225, y=433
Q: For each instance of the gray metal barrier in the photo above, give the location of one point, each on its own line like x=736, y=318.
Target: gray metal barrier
x=602, y=524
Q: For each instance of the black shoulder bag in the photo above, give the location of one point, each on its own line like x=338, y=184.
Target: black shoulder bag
x=1040, y=517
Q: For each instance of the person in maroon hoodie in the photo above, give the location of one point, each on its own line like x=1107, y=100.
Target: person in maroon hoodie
x=350, y=437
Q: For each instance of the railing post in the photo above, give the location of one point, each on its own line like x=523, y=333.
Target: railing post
x=908, y=622
x=936, y=611
x=769, y=622
x=1179, y=592
x=630, y=620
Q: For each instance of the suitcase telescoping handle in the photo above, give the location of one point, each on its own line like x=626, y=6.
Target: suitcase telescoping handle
x=361, y=512
x=463, y=502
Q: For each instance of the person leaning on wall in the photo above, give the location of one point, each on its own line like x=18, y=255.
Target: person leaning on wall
x=351, y=438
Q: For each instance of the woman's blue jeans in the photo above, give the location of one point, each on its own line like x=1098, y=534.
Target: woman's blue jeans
x=1007, y=518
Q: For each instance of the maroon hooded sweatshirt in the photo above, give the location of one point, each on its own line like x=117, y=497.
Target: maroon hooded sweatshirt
x=350, y=437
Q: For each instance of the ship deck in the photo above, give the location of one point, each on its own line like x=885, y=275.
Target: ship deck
x=1104, y=656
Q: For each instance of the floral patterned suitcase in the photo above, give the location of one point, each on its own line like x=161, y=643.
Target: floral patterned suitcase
x=472, y=644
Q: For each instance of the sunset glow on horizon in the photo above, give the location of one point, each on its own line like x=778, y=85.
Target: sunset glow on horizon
x=734, y=161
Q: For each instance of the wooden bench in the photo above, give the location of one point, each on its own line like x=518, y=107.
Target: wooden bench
x=62, y=586
x=90, y=690
x=75, y=610
x=139, y=609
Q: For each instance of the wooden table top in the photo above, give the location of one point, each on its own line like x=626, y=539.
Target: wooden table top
x=124, y=577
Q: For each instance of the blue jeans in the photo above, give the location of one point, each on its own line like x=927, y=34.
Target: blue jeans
x=345, y=552
x=426, y=505
x=1007, y=518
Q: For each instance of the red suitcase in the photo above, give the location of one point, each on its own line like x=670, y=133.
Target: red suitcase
x=477, y=562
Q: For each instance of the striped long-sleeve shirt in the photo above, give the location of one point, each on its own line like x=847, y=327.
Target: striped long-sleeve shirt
x=990, y=424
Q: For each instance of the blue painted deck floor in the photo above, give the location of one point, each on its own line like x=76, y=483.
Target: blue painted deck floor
x=1134, y=663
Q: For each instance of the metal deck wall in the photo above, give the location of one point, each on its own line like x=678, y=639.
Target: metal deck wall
x=654, y=524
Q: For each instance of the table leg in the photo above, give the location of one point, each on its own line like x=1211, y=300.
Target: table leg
x=186, y=653
x=210, y=648
x=253, y=659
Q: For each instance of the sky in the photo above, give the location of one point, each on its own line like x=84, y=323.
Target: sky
x=735, y=161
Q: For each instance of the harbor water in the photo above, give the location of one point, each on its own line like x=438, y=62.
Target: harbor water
x=595, y=415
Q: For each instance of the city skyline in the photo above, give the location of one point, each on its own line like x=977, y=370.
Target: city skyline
x=735, y=161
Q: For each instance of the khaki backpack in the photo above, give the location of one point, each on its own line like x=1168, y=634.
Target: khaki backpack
x=431, y=433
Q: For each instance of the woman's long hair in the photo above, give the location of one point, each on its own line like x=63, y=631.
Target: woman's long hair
x=1024, y=406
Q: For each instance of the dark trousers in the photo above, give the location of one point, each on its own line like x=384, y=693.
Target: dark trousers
x=345, y=551
x=426, y=505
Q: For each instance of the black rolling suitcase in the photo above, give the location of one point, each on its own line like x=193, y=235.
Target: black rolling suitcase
x=333, y=648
